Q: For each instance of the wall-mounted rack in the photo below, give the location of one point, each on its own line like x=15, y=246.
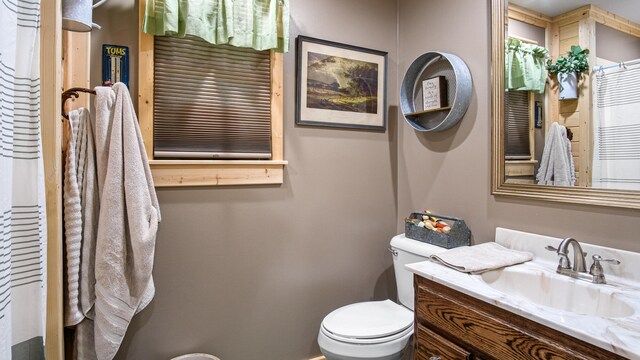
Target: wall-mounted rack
x=73, y=93
x=459, y=85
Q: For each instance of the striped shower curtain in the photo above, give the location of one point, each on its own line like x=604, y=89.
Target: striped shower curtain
x=22, y=208
x=616, y=128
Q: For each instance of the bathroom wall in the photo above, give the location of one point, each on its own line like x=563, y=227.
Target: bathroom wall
x=526, y=31
x=248, y=273
x=615, y=45
x=450, y=172
x=119, y=21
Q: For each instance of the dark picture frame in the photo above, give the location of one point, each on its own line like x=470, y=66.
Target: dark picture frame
x=340, y=85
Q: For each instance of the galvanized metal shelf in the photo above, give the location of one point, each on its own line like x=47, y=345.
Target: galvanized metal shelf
x=459, y=86
x=427, y=111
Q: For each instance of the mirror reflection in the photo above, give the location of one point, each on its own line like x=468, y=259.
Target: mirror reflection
x=566, y=125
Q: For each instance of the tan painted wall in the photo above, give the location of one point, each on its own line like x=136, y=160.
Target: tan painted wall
x=527, y=31
x=119, y=21
x=450, y=172
x=249, y=272
x=615, y=45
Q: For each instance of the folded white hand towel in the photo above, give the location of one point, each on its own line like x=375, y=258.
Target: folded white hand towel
x=480, y=258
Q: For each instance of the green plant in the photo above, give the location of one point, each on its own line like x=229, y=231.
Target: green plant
x=576, y=61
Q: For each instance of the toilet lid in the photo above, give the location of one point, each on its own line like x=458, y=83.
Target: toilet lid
x=368, y=320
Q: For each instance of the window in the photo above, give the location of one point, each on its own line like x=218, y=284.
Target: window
x=518, y=114
x=200, y=129
x=210, y=101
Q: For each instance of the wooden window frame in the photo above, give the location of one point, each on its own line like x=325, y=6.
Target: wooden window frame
x=519, y=168
x=531, y=124
x=173, y=173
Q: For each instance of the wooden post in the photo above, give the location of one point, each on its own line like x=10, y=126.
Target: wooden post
x=277, y=109
x=51, y=130
x=76, y=66
x=145, y=84
x=587, y=41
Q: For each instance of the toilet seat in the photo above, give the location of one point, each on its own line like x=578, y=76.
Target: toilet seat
x=356, y=341
x=371, y=322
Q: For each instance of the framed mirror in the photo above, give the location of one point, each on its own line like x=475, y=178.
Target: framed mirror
x=583, y=150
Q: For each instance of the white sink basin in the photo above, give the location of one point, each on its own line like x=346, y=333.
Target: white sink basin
x=558, y=291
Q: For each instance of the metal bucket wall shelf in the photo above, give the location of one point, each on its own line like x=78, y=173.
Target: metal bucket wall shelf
x=459, y=85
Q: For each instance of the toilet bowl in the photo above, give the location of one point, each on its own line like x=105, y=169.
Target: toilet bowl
x=377, y=330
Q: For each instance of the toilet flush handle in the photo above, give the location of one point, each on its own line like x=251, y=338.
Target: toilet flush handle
x=393, y=251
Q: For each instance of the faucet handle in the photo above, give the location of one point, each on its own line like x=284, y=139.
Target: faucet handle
x=564, y=259
x=597, y=259
x=596, y=268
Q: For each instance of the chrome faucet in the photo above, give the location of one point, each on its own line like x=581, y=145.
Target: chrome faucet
x=578, y=255
x=579, y=269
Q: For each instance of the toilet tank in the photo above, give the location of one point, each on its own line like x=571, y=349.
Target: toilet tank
x=407, y=251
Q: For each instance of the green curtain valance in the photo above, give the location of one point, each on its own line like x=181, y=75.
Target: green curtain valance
x=524, y=66
x=258, y=24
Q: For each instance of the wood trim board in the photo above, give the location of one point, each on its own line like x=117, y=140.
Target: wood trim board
x=51, y=130
x=181, y=173
x=277, y=106
x=145, y=84
x=528, y=16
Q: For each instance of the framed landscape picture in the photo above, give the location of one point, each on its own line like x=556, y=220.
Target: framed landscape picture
x=340, y=85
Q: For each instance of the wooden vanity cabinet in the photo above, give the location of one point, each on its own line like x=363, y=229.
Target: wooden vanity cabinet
x=450, y=325
x=429, y=344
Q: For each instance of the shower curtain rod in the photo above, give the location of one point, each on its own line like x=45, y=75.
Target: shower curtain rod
x=620, y=64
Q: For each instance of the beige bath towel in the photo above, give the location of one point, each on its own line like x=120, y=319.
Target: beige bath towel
x=129, y=217
x=84, y=347
x=73, y=219
x=90, y=204
x=81, y=207
x=556, y=165
x=480, y=258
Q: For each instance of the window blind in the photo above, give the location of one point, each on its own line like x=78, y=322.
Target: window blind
x=516, y=115
x=210, y=101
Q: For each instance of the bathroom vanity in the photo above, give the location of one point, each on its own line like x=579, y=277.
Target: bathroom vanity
x=455, y=326
x=527, y=311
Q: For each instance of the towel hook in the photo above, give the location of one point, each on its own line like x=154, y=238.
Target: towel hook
x=73, y=93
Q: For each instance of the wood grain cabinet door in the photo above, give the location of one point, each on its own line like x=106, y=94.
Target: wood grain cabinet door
x=431, y=346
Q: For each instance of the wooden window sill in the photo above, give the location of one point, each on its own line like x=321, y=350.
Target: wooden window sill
x=520, y=167
x=179, y=173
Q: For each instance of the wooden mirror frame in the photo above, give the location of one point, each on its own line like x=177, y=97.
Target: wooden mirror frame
x=574, y=195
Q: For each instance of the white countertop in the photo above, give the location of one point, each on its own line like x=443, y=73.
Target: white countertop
x=619, y=335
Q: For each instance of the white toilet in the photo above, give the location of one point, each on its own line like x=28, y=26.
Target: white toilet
x=380, y=330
